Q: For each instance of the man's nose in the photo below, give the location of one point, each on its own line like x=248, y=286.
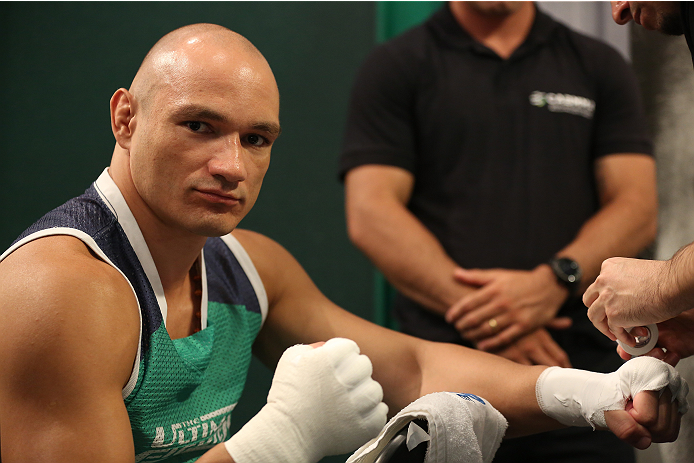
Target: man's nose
x=621, y=13
x=228, y=162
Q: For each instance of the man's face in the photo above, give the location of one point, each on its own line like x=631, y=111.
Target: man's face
x=659, y=16
x=201, y=144
x=496, y=8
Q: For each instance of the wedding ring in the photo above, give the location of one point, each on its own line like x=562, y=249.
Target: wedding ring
x=492, y=323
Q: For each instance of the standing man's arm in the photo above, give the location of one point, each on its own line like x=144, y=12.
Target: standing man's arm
x=408, y=254
x=411, y=257
x=624, y=224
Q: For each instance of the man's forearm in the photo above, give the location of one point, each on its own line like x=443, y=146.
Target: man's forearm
x=413, y=260
x=678, y=288
x=627, y=220
x=407, y=253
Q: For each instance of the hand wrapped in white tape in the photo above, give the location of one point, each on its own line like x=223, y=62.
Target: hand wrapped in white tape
x=581, y=398
x=322, y=401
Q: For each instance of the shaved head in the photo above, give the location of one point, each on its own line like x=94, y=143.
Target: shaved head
x=194, y=131
x=174, y=56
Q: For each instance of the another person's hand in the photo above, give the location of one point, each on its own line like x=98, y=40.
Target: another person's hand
x=507, y=305
x=628, y=293
x=535, y=348
x=675, y=340
x=322, y=401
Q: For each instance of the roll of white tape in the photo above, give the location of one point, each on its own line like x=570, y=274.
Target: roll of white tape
x=644, y=344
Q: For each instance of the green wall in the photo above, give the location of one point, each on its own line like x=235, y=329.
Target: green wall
x=61, y=62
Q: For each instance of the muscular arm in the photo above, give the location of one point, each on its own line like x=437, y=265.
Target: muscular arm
x=406, y=367
x=68, y=335
x=413, y=259
x=627, y=220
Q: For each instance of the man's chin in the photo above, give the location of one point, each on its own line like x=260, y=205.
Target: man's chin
x=213, y=229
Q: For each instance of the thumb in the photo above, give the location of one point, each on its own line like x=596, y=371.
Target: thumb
x=475, y=277
x=625, y=427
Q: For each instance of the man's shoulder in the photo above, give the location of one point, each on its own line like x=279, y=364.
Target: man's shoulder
x=56, y=289
x=588, y=47
x=407, y=49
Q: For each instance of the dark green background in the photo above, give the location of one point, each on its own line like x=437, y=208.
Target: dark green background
x=61, y=62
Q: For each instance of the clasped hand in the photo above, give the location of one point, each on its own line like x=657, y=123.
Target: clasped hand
x=507, y=305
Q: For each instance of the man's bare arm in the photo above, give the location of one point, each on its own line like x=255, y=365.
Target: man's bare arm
x=628, y=217
x=69, y=331
x=406, y=367
x=413, y=259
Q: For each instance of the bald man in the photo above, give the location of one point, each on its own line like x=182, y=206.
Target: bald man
x=129, y=314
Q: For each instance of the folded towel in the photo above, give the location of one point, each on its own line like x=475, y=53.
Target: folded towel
x=462, y=428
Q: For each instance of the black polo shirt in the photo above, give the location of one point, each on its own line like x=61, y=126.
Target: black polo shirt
x=503, y=151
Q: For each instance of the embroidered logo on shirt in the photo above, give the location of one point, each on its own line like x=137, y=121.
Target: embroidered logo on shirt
x=564, y=103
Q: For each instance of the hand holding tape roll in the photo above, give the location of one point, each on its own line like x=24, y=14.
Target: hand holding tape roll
x=644, y=344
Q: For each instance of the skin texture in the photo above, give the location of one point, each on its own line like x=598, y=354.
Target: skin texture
x=193, y=144
x=636, y=292
x=659, y=16
x=521, y=303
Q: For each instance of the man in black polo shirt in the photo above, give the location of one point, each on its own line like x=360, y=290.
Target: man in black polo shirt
x=494, y=138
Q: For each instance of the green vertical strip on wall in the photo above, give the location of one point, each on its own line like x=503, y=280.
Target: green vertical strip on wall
x=393, y=18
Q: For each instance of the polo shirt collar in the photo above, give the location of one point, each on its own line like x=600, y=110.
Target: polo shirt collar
x=446, y=28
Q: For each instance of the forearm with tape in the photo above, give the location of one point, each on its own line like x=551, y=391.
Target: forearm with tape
x=581, y=398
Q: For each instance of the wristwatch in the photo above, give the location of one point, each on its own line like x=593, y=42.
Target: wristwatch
x=568, y=273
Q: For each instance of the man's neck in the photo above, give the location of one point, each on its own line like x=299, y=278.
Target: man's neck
x=501, y=33
x=174, y=251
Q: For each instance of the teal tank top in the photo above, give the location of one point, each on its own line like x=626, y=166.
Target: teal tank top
x=182, y=392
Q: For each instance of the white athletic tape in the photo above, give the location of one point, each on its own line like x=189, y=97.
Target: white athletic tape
x=644, y=344
x=322, y=402
x=581, y=398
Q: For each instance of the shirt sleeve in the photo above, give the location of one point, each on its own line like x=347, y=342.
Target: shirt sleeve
x=621, y=125
x=381, y=119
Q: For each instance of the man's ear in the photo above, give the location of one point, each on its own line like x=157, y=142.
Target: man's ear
x=123, y=117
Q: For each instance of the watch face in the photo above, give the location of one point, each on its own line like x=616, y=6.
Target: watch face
x=569, y=268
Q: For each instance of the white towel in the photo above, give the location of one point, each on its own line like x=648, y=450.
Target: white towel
x=463, y=428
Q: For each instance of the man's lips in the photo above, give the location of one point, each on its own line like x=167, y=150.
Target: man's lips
x=220, y=197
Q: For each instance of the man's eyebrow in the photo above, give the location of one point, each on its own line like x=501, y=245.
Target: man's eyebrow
x=195, y=112
x=199, y=112
x=268, y=127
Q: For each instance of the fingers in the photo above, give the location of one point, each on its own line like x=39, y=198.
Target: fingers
x=472, y=277
x=590, y=295
x=504, y=338
x=482, y=323
x=560, y=323
x=468, y=304
x=537, y=348
x=657, y=413
x=626, y=428
x=556, y=353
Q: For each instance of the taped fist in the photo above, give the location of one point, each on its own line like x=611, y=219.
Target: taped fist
x=322, y=401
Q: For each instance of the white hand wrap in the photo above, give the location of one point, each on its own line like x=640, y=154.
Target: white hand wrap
x=322, y=401
x=581, y=398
